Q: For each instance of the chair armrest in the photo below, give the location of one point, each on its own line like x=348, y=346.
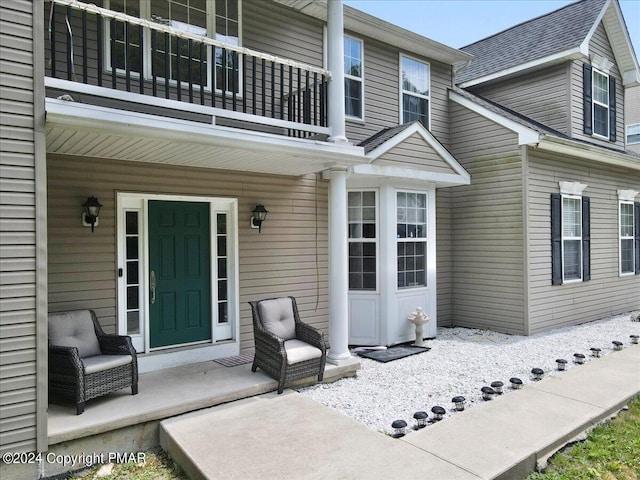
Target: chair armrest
x=116, y=345
x=310, y=335
x=62, y=359
x=269, y=340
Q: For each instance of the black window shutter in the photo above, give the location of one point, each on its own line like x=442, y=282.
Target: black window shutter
x=586, y=239
x=636, y=207
x=556, y=239
x=612, y=109
x=587, y=94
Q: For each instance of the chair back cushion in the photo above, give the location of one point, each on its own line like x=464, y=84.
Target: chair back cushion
x=277, y=317
x=74, y=329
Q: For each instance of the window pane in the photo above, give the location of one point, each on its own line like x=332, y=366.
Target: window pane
x=415, y=76
x=362, y=266
x=131, y=223
x=353, y=97
x=411, y=264
x=571, y=217
x=626, y=256
x=133, y=323
x=132, y=248
x=633, y=133
x=572, y=256
x=600, y=88
x=415, y=108
x=132, y=298
x=626, y=219
x=132, y=273
x=601, y=120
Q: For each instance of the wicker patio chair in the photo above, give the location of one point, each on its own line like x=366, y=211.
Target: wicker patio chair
x=286, y=349
x=86, y=363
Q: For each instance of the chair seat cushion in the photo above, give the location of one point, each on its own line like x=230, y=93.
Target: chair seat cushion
x=104, y=362
x=74, y=329
x=299, y=351
x=277, y=317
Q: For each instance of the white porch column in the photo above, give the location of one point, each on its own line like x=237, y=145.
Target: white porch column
x=335, y=63
x=338, y=269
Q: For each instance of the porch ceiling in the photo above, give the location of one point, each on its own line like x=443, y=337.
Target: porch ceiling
x=99, y=132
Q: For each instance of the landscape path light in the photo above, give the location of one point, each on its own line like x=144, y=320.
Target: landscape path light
x=634, y=339
x=488, y=393
x=399, y=428
x=538, y=373
x=578, y=358
x=438, y=413
x=497, y=386
x=562, y=364
x=458, y=403
x=617, y=345
x=595, y=352
x=516, y=383
x=421, y=419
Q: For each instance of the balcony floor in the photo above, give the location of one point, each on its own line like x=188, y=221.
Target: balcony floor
x=167, y=393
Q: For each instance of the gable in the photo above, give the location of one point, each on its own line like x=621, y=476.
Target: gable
x=414, y=152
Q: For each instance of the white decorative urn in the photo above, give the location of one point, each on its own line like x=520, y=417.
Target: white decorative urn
x=419, y=318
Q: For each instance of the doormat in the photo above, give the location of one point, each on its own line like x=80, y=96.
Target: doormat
x=241, y=359
x=393, y=353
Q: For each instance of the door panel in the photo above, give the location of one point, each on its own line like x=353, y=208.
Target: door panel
x=179, y=256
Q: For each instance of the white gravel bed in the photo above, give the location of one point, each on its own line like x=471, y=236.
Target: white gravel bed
x=461, y=361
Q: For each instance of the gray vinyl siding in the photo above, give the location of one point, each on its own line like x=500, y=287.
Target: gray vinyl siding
x=382, y=92
x=289, y=257
x=541, y=96
x=444, y=258
x=607, y=293
x=599, y=45
x=413, y=152
x=487, y=226
x=18, y=304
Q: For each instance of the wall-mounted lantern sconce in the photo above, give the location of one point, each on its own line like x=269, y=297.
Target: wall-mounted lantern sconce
x=259, y=216
x=91, y=212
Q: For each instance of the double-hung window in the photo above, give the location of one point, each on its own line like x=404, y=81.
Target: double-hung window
x=363, y=246
x=353, y=75
x=411, y=239
x=570, y=234
x=629, y=232
x=599, y=92
x=627, y=240
x=600, y=103
x=168, y=56
x=571, y=238
x=415, y=90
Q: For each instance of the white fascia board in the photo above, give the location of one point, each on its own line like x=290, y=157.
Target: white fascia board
x=440, y=179
x=92, y=117
x=584, y=46
x=588, y=152
x=571, y=54
x=427, y=137
x=613, y=22
x=526, y=136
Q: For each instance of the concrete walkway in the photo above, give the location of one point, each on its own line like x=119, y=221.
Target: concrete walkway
x=289, y=436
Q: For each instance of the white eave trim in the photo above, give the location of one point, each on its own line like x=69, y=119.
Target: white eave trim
x=588, y=152
x=439, y=179
x=571, y=54
x=526, y=136
x=132, y=124
x=417, y=127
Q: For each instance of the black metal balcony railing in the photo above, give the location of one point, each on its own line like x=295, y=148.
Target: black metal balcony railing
x=102, y=48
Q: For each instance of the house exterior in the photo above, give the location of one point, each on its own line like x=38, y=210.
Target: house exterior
x=387, y=185
x=544, y=235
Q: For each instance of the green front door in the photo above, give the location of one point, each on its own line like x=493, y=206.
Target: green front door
x=180, y=273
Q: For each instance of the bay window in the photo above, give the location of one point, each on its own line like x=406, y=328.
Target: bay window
x=411, y=239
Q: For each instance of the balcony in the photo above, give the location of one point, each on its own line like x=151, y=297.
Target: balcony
x=181, y=90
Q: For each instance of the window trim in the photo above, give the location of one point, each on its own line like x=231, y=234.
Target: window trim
x=145, y=12
x=571, y=238
x=360, y=79
x=424, y=239
x=594, y=102
x=627, y=237
x=402, y=91
x=375, y=240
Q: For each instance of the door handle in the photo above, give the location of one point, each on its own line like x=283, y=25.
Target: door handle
x=152, y=286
